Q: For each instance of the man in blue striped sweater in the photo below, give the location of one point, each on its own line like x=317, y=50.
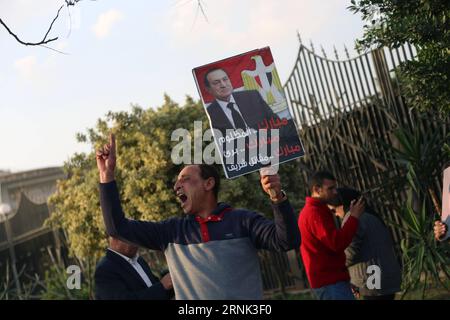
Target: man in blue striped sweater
x=211, y=252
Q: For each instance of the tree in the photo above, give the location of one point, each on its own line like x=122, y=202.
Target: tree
x=425, y=25
x=425, y=261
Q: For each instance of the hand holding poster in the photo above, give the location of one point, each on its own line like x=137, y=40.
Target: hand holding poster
x=248, y=112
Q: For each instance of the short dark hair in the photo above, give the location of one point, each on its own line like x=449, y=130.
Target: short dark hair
x=346, y=196
x=209, y=171
x=205, y=79
x=317, y=179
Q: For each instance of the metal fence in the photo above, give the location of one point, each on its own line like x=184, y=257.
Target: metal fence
x=347, y=110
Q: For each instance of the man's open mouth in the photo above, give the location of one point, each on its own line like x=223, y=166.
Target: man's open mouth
x=182, y=197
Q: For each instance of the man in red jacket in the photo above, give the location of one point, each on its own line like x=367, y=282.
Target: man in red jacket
x=323, y=244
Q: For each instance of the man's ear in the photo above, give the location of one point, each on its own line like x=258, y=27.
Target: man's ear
x=316, y=189
x=210, y=183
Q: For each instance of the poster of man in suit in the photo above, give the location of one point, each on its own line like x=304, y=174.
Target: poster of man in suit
x=248, y=112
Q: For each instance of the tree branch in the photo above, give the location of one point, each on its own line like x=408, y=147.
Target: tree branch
x=43, y=41
x=51, y=25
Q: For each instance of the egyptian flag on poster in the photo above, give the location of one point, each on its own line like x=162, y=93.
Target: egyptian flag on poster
x=248, y=112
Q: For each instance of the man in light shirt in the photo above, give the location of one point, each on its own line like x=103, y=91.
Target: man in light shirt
x=123, y=275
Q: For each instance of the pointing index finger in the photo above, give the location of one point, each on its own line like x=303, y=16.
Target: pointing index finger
x=112, y=143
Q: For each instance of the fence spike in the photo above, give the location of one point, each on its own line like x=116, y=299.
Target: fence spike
x=346, y=52
x=312, y=46
x=299, y=37
x=323, y=52
x=335, y=52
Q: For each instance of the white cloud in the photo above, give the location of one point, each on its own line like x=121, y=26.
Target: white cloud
x=26, y=66
x=38, y=74
x=105, y=22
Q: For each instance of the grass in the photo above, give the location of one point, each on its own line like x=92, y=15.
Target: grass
x=436, y=293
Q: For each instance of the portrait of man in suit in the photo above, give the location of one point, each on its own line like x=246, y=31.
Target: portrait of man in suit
x=234, y=110
x=123, y=275
x=248, y=112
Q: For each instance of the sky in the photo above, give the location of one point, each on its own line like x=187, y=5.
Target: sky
x=117, y=53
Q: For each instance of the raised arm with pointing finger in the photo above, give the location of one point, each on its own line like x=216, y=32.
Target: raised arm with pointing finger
x=106, y=160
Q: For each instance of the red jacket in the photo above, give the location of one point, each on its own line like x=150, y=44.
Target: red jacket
x=323, y=245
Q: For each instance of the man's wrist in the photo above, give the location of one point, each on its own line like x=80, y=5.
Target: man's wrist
x=355, y=215
x=106, y=177
x=280, y=197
